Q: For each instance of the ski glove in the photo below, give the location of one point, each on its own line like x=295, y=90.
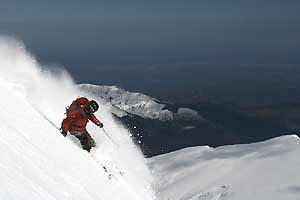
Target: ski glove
x=64, y=133
x=101, y=125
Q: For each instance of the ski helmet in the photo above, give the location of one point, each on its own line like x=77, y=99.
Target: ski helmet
x=92, y=107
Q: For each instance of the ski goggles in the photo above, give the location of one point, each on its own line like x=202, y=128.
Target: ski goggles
x=90, y=109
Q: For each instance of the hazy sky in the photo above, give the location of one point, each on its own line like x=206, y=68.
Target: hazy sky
x=92, y=33
x=203, y=45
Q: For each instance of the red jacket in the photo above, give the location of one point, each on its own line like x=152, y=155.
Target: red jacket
x=77, y=121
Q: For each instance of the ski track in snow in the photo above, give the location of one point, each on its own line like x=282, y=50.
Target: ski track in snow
x=218, y=193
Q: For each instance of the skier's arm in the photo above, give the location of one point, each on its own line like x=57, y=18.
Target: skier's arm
x=94, y=119
x=65, y=125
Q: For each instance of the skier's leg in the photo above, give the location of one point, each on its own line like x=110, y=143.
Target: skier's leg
x=84, y=142
x=91, y=141
x=81, y=136
x=87, y=141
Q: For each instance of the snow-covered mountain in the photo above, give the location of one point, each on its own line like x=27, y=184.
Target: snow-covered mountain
x=133, y=103
x=261, y=171
x=37, y=162
x=136, y=103
x=162, y=127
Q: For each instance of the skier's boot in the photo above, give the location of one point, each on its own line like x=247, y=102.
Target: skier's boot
x=86, y=141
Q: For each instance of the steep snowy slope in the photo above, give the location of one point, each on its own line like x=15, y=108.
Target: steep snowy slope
x=36, y=161
x=261, y=171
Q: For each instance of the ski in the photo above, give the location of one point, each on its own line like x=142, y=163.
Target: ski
x=110, y=175
x=121, y=172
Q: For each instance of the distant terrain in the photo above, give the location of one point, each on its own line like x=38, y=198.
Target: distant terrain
x=160, y=127
x=221, y=124
x=248, y=84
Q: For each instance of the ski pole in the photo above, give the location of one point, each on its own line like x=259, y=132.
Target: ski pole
x=109, y=137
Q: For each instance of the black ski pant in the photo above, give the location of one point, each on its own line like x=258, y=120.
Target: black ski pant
x=86, y=141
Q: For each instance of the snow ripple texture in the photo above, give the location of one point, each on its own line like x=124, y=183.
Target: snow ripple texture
x=266, y=170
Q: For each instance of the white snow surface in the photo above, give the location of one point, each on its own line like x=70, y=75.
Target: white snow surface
x=130, y=102
x=262, y=171
x=36, y=161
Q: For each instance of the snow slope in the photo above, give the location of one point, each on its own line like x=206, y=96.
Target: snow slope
x=36, y=161
x=262, y=171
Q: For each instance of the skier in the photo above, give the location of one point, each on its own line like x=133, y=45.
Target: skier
x=78, y=115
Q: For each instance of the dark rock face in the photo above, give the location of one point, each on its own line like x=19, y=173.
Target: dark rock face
x=219, y=125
